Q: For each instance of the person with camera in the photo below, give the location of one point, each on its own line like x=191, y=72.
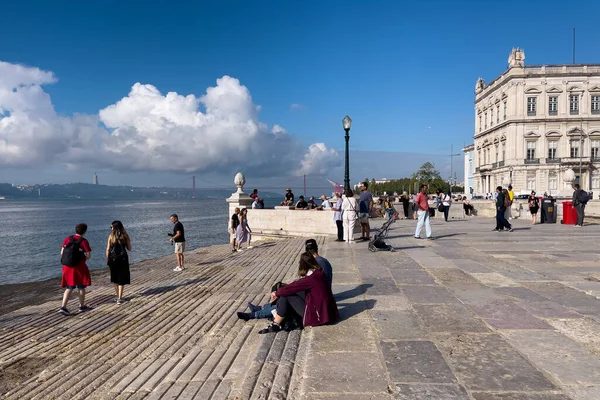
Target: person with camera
x=178, y=239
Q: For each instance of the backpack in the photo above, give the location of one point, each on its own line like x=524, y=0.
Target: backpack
x=583, y=197
x=117, y=252
x=72, y=253
x=506, y=201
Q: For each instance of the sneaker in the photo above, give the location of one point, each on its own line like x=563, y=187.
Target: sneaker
x=249, y=247
x=271, y=328
x=510, y=229
x=245, y=316
x=64, y=311
x=84, y=308
x=495, y=230
x=120, y=301
x=254, y=308
x=177, y=269
x=417, y=237
x=240, y=250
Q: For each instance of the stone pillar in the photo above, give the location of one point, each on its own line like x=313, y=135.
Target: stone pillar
x=239, y=198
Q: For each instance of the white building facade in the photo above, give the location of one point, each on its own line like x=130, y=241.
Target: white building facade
x=534, y=122
x=469, y=168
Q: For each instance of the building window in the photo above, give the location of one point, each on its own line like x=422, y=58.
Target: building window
x=497, y=154
x=530, y=150
x=480, y=125
x=595, y=180
x=498, y=113
x=503, y=152
x=479, y=158
x=595, y=104
x=530, y=182
x=552, y=147
x=574, y=104
x=595, y=148
x=505, y=111
x=492, y=116
x=531, y=106
x=485, y=119
x=553, y=105
x=574, y=148
x=552, y=182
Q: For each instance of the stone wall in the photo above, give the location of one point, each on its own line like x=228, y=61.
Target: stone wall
x=283, y=221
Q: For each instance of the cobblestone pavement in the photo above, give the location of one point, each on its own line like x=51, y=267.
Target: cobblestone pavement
x=474, y=314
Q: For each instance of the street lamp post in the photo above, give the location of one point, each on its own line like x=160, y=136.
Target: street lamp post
x=347, y=124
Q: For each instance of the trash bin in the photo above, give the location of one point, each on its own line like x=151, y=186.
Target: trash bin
x=569, y=213
x=548, y=211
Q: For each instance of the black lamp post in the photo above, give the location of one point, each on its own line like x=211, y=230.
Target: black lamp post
x=347, y=123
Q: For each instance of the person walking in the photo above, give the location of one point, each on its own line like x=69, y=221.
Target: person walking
x=405, y=201
x=502, y=202
x=446, y=203
x=534, y=206
x=365, y=209
x=234, y=222
x=117, y=258
x=337, y=217
x=242, y=234
x=178, y=238
x=350, y=215
x=580, y=199
x=74, y=253
x=423, y=213
x=511, y=197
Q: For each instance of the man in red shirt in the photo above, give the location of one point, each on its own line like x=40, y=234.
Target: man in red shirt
x=423, y=213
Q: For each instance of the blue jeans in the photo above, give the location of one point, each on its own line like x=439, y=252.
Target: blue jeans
x=266, y=311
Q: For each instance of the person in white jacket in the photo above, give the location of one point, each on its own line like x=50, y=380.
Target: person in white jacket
x=349, y=215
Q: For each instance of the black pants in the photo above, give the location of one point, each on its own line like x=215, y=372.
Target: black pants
x=340, y=229
x=405, y=207
x=580, y=208
x=292, y=304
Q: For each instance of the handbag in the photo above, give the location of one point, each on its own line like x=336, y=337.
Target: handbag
x=441, y=208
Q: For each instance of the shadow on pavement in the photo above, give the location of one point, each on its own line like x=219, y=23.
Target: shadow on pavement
x=348, y=294
x=349, y=310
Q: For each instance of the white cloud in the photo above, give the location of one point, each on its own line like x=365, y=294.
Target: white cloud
x=319, y=160
x=149, y=131
x=296, y=106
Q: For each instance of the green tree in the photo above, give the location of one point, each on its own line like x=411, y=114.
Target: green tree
x=427, y=173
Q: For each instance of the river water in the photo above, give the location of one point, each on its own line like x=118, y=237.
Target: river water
x=32, y=231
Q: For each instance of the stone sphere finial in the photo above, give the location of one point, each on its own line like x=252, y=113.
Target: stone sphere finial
x=569, y=176
x=240, y=181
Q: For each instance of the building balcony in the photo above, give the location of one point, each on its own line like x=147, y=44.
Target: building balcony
x=532, y=161
x=553, y=160
x=596, y=159
x=501, y=163
x=477, y=169
x=486, y=167
x=495, y=165
x=575, y=160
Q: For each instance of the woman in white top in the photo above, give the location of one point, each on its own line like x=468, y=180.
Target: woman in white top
x=349, y=215
x=446, y=202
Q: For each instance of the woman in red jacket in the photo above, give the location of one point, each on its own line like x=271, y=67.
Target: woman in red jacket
x=309, y=297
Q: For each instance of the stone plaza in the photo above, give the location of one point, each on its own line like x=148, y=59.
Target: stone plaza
x=473, y=314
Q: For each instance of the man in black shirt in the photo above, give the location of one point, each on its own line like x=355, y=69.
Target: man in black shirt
x=301, y=204
x=235, y=221
x=178, y=238
x=289, y=198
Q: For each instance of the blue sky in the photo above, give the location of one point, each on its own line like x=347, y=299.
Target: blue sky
x=404, y=71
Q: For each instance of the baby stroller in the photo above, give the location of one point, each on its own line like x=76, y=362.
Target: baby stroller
x=377, y=243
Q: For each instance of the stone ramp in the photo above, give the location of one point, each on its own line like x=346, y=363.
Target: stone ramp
x=178, y=337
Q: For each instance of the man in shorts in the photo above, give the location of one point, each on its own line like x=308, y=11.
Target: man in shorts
x=365, y=206
x=178, y=238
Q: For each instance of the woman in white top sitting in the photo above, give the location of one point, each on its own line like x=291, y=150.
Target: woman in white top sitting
x=349, y=215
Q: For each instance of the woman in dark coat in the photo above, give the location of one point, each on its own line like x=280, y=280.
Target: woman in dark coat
x=309, y=297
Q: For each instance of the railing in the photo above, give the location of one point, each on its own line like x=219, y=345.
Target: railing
x=553, y=160
x=495, y=165
x=532, y=161
x=486, y=167
x=595, y=159
x=501, y=163
x=575, y=160
x=476, y=169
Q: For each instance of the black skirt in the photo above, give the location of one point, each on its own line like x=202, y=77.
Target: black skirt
x=119, y=272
